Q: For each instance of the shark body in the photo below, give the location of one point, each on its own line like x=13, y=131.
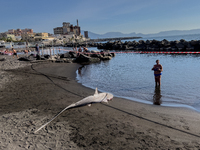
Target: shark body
x=96, y=98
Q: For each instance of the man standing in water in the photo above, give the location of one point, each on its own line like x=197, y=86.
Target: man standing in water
x=157, y=72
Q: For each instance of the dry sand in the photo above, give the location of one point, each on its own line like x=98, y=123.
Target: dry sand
x=31, y=95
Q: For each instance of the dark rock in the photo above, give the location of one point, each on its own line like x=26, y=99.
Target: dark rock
x=24, y=59
x=46, y=56
x=182, y=40
x=194, y=42
x=72, y=54
x=43, y=58
x=148, y=42
x=38, y=57
x=180, y=46
x=65, y=55
x=93, y=60
x=97, y=55
x=2, y=59
x=106, y=58
x=141, y=42
x=83, y=58
x=113, y=54
x=165, y=43
x=59, y=61
x=86, y=59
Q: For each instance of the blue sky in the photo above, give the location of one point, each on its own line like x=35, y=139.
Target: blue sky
x=101, y=16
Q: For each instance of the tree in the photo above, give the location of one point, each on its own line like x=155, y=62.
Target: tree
x=9, y=39
x=3, y=38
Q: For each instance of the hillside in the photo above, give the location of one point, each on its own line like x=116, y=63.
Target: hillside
x=133, y=34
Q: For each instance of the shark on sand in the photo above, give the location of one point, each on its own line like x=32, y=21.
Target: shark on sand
x=96, y=98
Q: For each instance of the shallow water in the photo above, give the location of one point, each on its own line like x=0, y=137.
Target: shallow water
x=130, y=76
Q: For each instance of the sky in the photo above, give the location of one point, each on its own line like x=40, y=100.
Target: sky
x=101, y=16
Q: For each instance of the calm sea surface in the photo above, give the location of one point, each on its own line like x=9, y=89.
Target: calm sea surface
x=130, y=76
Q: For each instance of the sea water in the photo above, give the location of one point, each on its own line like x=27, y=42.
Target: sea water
x=130, y=76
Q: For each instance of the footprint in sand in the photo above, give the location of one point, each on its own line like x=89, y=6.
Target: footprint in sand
x=186, y=127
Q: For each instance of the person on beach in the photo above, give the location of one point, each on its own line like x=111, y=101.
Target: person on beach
x=157, y=68
x=37, y=49
x=85, y=49
x=80, y=49
x=14, y=53
x=6, y=51
x=75, y=49
x=26, y=51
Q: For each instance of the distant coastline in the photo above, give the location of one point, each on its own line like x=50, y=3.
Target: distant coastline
x=113, y=39
x=133, y=34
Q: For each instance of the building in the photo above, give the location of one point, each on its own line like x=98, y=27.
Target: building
x=3, y=35
x=32, y=37
x=11, y=36
x=86, y=34
x=41, y=36
x=68, y=29
x=58, y=30
x=19, y=32
x=29, y=37
x=7, y=36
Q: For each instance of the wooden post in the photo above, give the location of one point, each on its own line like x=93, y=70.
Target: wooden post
x=42, y=50
x=50, y=51
x=53, y=49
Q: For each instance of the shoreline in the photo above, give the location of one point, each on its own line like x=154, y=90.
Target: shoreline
x=36, y=93
x=170, y=105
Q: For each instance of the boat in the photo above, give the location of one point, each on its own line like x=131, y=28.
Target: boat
x=2, y=44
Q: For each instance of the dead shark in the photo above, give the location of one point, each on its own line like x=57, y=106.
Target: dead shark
x=96, y=98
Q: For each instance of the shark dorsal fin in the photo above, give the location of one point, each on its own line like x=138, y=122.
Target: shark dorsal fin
x=96, y=92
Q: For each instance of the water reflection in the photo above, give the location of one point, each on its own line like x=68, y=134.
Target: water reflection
x=157, y=96
x=80, y=70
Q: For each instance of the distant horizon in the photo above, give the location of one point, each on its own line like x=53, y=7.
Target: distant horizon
x=113, y=31
x=143, y=33
x=133, y=34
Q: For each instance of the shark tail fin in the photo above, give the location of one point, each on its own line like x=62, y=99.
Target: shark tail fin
x=70, y=106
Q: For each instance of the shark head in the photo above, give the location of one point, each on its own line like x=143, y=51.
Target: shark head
x=107, y=98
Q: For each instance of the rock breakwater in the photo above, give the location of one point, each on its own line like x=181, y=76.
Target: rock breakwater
x=151, y=45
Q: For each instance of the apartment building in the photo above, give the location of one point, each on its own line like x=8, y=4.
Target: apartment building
x=30, y=37
x=68, y=29
x=19, y=32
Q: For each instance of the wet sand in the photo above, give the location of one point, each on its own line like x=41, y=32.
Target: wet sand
x=32, y=95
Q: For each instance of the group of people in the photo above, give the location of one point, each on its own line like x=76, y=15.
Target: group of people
x=80, y=50
x=14, y=52
x=10, y=52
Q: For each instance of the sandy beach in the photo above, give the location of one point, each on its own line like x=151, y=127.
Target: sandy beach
x=31, y=93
